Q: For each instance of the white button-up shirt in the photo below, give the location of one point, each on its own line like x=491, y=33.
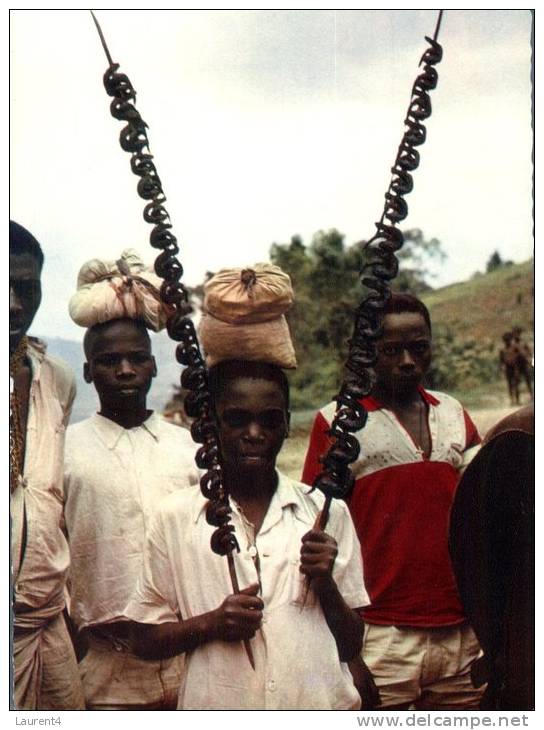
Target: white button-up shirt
x=114, y=479
x=41, y=577
x=297, y=664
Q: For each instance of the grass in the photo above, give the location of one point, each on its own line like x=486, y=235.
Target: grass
x=484, y=307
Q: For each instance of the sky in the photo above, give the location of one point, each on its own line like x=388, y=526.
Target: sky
x=265, y=124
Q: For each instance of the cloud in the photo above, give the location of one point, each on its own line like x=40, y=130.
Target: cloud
x=265, y=124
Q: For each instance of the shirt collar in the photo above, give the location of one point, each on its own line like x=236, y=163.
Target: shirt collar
x=110, y=432
x=284, y=496
x=373, y=404
x=36, y=354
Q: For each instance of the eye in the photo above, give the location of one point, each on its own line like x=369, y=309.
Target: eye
x=421, y=347
x=140, y=358
x=391, y=350
x=28, y=289
x=106, y=361
x=272, y=418
x=236, y=417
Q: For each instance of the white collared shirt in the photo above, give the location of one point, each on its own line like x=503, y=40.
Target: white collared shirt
x=297, y=664
x=114, y=479
x=41, y=577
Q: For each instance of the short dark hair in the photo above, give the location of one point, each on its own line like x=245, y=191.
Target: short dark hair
x=400, y=302
x=228, y=370
x=96, y=330
x=22, y=242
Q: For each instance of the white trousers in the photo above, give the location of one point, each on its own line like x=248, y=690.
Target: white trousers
x=428, y=668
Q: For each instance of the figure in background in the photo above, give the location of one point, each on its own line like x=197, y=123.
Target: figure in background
x=508, y=360
x=42, y=392
x=418, y=643
x=524, y=358
x=120, y=463
x=492, y=543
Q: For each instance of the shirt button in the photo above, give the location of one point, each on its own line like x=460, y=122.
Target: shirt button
x=271, y=685
x=252, y=551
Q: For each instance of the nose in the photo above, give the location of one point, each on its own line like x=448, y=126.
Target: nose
x=15, y=306
x=125, y=368
x=254, y=432
x=406, y=360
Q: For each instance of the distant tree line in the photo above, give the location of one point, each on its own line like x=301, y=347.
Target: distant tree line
x=325, y=276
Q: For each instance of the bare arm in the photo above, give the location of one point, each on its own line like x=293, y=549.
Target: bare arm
x=317, y=557
x=236, y=619
x=364, y=682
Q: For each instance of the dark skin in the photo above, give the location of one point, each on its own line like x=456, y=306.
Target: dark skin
x=25, y=296
x=253, y=423
x=121, y=367
x=404, y=356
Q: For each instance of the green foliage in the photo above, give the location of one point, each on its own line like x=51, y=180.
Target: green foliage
x=414, y=259
x=325, y=278
x=496, y=262
x=461, y=363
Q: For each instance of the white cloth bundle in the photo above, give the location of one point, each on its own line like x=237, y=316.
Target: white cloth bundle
x=244, y=316
x=109, y=290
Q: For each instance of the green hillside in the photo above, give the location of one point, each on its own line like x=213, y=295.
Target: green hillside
x=485, y=307
x=469, y=320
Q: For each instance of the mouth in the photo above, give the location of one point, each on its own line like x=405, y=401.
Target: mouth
x=408, y=376
x=253, y=459
x=127, y=391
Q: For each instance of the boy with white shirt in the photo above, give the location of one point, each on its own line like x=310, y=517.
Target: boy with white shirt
x=119, y=464
x=184, y=603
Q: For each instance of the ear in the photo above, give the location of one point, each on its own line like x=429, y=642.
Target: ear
x=154, y=367
x=87, y=377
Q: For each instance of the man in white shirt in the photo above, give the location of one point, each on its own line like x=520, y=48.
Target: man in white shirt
x=184, y=602
x=119, y=464
x=42, y=392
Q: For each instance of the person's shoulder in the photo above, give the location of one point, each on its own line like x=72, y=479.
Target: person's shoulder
x=441, y=399
x=176, y=440
x=62, y=373
x=171, y=430
x=521, y=420
x=314, y=499
x=85, y=425
x=183, y=505
x=79, y=437
x=302, y=492
x=327, y=411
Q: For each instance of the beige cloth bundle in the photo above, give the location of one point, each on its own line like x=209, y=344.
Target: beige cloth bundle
x=244, y=316
x=109, y=290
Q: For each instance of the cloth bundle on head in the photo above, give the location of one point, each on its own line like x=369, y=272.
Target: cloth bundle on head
x=109, y=290
x=244, y=316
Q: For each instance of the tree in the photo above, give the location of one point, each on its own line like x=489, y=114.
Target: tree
x=496, y=262
x=325, y=277
x=414, y=259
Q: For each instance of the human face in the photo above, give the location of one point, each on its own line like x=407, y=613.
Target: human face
x=253, y=423
x=404, y=353
x=25, y=295
x=121, y=367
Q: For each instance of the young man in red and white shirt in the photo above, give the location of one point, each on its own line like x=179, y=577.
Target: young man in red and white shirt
x=414, y=446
